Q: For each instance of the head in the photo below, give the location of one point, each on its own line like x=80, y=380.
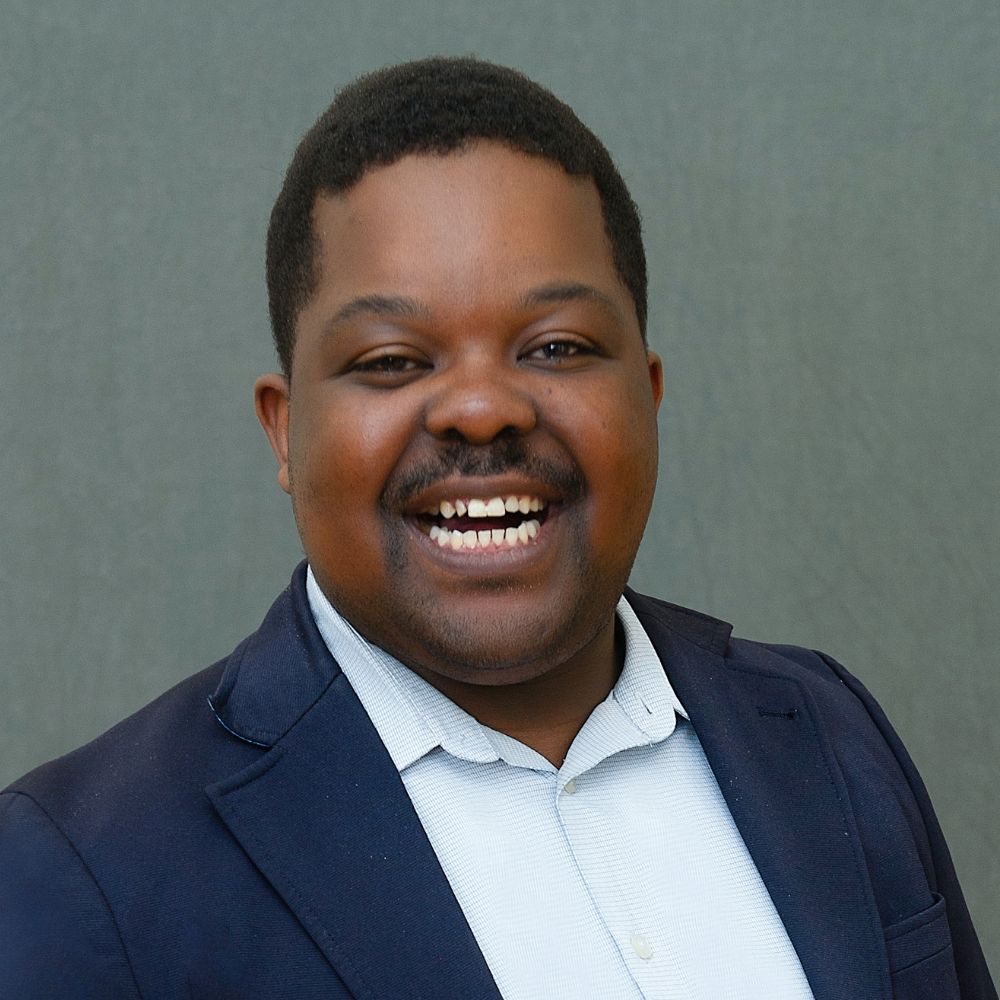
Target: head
x=466, y=420
x=433, y=106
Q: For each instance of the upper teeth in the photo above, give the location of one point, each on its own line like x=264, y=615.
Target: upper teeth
x=479, y=508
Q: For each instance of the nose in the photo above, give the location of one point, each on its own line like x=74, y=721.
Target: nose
x=480, y=404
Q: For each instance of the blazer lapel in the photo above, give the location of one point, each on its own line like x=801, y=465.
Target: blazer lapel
x=326, y=819
x=762, y=736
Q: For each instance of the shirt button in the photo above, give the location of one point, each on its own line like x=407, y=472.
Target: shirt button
x=641, y=947
x=570, y=787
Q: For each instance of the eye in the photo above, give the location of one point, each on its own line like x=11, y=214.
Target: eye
x=560, y=349
x=386, y=364
x=389, y=368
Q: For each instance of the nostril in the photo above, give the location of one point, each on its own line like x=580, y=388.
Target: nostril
x=478, y=436
x=480, y=414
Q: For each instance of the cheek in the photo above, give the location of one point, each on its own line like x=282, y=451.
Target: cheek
x=620, y=451
x=620, y=467
x=346, y=451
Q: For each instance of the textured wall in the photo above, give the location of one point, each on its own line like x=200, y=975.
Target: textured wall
x=821, y=190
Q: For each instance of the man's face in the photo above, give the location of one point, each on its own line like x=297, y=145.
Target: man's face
x=469, y=344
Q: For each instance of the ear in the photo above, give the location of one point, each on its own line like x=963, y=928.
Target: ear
x=655, y=367
x=271, y=399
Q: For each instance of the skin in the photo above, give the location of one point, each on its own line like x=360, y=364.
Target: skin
x=469, y=337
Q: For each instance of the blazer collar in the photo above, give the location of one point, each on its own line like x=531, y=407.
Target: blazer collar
x=272, y=678
x=760, y=729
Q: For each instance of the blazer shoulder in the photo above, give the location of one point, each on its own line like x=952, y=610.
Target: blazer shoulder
x=811, y=664
x=166, y=751
x=120, y=789
x=52, y=906
x=715, y=636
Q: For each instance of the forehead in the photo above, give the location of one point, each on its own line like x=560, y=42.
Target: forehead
x=483, y=220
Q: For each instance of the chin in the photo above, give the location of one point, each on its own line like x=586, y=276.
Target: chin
x=494, y=654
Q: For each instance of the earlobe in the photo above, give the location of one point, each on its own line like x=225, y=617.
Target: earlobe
x=655, y=367
x=271, y=399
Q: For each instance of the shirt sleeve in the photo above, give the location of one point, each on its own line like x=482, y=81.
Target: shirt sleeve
x=58, y=936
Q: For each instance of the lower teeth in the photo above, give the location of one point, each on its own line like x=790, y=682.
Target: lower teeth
x=499, y=537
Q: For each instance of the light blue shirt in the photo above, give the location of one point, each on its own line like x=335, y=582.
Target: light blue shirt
x=620, y=875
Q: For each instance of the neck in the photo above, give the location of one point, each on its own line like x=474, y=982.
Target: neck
x=548, y=710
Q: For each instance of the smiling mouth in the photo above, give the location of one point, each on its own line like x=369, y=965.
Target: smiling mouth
x=470, y=523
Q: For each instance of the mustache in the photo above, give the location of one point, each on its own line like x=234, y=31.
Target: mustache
x=505, y=455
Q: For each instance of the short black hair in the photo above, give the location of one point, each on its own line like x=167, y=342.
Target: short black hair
x=437, y=105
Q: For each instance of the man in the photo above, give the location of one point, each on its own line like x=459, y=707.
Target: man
x=455, y=761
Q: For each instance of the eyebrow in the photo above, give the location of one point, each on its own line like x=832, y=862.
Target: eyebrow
x=401, y=307
x=571, y=291
x=394, y=306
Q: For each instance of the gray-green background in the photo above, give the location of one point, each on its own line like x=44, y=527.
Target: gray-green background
x=820, y=184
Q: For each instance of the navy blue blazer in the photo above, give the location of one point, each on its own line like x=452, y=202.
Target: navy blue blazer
x=247, y=836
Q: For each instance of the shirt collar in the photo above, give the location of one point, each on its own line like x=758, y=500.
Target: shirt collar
x=643, y=690
x=413, y=718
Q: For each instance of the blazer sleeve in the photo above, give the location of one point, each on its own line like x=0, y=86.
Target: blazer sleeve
x=970, y=964
x=58, y=937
